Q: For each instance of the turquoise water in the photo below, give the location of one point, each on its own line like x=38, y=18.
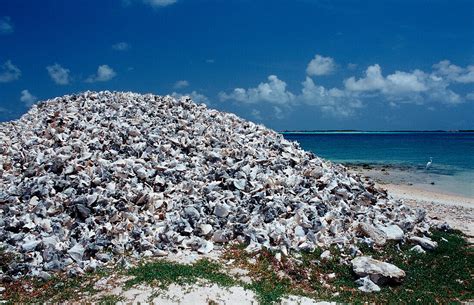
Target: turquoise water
x=452, y=153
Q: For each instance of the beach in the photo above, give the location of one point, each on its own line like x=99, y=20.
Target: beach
x=397, y=161
x=179, y=152
x=124, y=197
x=420, y=192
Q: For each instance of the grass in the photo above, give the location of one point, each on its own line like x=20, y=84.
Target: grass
x=441, y=276
x=163, y=273
x=56, y=289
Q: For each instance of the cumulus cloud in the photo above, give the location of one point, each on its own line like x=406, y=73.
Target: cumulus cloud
x=401, y=82
x=373, y=80
x=159, y=3
x=27, y=98
x=397, y=83
x=194, y=95
x=9, y=72
x=181, y=84
x=454, y=73
x=333, y=101
x=58, y=74
x=416, y=86
x=104, y=73
x=274, y=91
x=6, y=26
x=121, y=46
x=320, y=65
x=467, y=77
x=407, y=87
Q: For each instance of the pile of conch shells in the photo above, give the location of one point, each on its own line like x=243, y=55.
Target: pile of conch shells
x=96, y=177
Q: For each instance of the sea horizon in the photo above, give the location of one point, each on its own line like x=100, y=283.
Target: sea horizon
x=406, y=153
x=236, y=152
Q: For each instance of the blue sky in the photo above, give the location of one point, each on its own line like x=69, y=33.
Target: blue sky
x=300, y=64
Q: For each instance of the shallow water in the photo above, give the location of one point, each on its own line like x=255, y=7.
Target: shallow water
x=452, y=169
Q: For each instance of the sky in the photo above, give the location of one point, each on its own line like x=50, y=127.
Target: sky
x=288, y=64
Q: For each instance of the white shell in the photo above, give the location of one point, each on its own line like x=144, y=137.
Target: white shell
x=124, y=173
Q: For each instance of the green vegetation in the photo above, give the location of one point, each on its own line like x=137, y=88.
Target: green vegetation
x=163, y=273
x=56, y=289
x=441, y=276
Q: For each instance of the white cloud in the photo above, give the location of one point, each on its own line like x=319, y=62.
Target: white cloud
x=210, y=61
x=181, y=84
x=334, y=101
x=104, y=73
x=417, y=87
x=401, y=82
x=396, y=83
x=9, y=72
x=321, y=66
x=454, y=73
x=274, y=91
x=121, y=46
x=468, y=76
x=408, y=87
x=27, y=98
x=194, y=95
x=6, y=26
x=438, y=92
x=58, y=74
x=159, y=3
x=470, y=96
x=373, y=80
x=445, y=67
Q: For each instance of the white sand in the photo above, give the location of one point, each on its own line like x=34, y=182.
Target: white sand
x=199, y=293
x=457, y=211
x=190, y=295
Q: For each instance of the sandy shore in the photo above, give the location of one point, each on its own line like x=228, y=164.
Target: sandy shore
x=456, y=210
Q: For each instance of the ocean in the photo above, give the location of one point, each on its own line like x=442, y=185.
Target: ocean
x=452, y=169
